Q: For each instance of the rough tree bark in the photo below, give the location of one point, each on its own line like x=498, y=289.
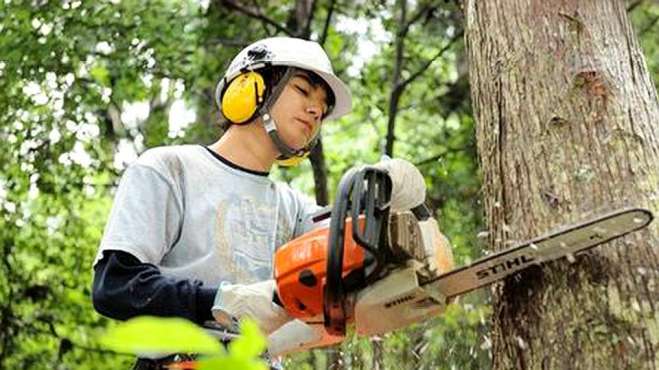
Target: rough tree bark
x=567, y=127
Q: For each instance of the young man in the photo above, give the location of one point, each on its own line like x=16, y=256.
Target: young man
x=191, y=221
x=193, y=229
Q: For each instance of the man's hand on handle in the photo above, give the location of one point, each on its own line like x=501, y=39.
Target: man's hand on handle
x=236, y=301
x=285, y=335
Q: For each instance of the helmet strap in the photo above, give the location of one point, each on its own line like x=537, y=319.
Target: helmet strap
x=271, y=126
x=285, y=150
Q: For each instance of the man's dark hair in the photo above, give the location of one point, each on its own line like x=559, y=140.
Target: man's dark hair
x=273, y=74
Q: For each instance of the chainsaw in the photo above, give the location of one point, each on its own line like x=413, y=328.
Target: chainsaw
x=375, y=269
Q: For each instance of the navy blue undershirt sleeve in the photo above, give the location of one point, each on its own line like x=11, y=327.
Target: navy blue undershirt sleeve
x=124, y=287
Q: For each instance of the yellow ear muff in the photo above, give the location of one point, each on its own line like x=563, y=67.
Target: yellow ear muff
x=242, y=97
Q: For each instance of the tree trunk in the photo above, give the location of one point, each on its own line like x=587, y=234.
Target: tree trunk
x=396, y=89
x=567, y=119
x=317, y=158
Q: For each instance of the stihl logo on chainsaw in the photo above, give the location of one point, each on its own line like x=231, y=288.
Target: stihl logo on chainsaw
x=504, y=266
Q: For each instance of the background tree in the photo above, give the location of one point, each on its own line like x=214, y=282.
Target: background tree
x=567, y=127
x=67, y=71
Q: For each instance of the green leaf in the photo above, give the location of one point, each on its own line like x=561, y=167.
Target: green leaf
x=230, y=363
x=251, y=342
x=147, y=334
x=100, y=74
x=244, y=352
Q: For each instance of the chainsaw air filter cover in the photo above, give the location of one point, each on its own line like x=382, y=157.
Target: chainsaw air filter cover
x=316, y=272
x=300, y=271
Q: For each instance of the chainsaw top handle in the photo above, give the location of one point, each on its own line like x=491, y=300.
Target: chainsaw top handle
x=366, y=192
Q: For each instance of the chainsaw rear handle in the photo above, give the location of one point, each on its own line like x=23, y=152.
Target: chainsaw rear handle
x=366, y=191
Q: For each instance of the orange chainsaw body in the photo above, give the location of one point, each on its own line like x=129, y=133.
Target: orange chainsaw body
x=300, y=269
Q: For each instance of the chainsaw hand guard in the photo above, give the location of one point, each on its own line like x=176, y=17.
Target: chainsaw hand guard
x=366, y=192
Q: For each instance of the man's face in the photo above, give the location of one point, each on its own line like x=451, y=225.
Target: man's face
x=299, y=110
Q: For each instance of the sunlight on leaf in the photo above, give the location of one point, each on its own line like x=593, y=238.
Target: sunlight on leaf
x=244, y=352
x=251, y=342
x=231, y=363
x=101, y=75
x=152, y=335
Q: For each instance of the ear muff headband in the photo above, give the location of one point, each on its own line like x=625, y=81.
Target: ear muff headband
x=243, y=97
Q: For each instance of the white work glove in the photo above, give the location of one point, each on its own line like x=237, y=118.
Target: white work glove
x=297, y=335
x=408, y=187
x=236, y=301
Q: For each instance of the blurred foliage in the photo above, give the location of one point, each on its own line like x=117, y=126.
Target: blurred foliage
x=147, y=335
x=87, y=86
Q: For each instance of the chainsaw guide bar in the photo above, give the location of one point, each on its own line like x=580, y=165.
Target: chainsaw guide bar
x=562, y=243
x=406, y=295
x=381, y=269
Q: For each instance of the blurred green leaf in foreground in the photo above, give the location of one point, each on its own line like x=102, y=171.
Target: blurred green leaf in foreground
x=147, y=335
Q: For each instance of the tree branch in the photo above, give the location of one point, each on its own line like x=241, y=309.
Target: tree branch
x=649, y=26
x=435, y=157
x=633, y=5
x=317, y=158
x=330, y=11
x=396, y=89
x=415, y=18
x=7, y=316
x=427, y=64
x=312, y=14
x=256, y=14
x=53, y=332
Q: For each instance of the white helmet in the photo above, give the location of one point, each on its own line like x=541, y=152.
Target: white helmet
x=293, y=52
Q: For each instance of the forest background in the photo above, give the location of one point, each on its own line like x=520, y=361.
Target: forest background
x=87, y=86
